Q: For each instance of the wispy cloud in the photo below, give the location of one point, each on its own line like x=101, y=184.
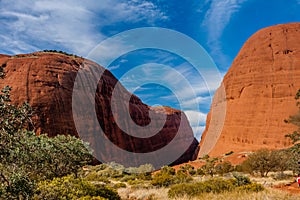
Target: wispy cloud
x=72, y=25
x=197, y=121
x=216, y=19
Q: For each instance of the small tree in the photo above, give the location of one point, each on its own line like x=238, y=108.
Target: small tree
x=210, y=165
x=295, y=137
x=263, y=161
x=284, y=158
x=224, y=167
x=26, y=158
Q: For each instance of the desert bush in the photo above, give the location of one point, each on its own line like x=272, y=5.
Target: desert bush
x=182, y=177
x=210, y=165
x=195, y=189
x=224, y=167
x=142, y=169
x=200, y=172
x=91, y=198
x=167, y=170
x=192, y=172
x=127, y=178
x=241, y=180
x=215, y=185
x=167, y=176
x=181, y=190
x=94, y=176
x=162, y=179
x=239, y=168
x=135, y=182
x=188, y=169
x=69, y=187
x=252, y=187
x=20, y=185
x=120, y=185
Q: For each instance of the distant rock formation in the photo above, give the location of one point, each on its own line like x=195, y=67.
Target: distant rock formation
x=46, y=81
x=260, y=88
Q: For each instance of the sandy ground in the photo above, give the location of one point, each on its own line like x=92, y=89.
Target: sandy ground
x=292, y=188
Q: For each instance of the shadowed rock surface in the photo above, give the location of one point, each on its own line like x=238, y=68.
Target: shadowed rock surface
x=260, y=88
x=46, y=81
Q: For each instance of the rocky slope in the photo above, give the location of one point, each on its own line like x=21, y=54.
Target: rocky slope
x=260, y=87
x=46, y=81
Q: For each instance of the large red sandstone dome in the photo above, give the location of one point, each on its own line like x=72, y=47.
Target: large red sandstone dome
x=46, y=80
x=260, y=88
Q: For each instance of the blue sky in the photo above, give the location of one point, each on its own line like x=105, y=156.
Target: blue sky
x=75, y=26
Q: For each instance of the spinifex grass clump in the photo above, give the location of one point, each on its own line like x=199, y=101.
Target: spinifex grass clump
x=216, y=185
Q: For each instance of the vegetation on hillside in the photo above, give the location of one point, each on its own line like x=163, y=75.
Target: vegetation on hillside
x=61, y=52
x=27, y=159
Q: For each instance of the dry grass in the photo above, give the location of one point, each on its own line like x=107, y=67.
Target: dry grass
x=162, y=194
x=144, y=194
x=152, y=193
x=269, y=194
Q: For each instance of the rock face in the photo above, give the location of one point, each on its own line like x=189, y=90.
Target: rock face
x=260, y=87
x=46, y=81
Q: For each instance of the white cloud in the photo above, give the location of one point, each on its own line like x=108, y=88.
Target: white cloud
x=195, y=117
x=216, y=19
x=204, y=100
x=197, y=120
x=198, y=130
x=73, y=25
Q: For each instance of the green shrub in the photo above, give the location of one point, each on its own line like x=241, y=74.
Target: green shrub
x=143, y=169
x=182, y=177
x=167, y=170
x=135, y=182
x=94, y=176
x=120, y=185
x=224, y=167
x=162, y=180
x=238, y=168
x=253, y=187
x=72, y=188
x=200, y=172
x=20, y=186
x=241, y=180
x=168, y=176
x=215, y=185
x=164, y=177
x=181, y=190
x=218, y=185
x=91, y=198
x=127, y=178
x=196, y=189
x=210, y=165
x=192, y=172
